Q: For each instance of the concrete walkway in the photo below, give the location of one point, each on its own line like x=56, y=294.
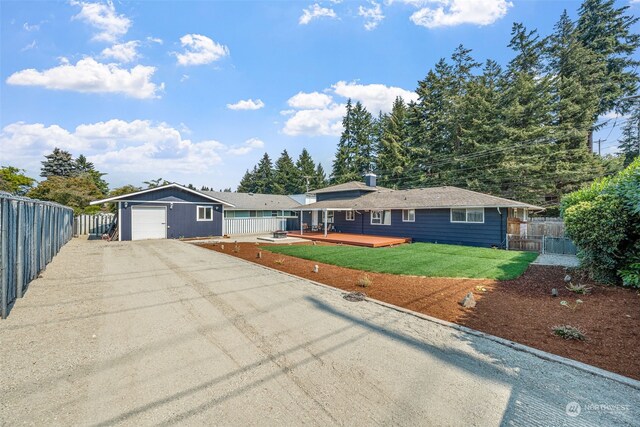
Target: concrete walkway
x=163, y=332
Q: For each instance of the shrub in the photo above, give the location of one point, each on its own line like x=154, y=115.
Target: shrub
x=604, y=222
x=279, y=261
x=365, y=281
x=569, y=332
x=573, y=306
x=579, y=289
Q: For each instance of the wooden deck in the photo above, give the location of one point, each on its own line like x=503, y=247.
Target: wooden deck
x=352, y=239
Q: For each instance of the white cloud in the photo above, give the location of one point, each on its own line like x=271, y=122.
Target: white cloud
x=200, y=50
x=184, y=78
x=248, y=104
x=115, y=146
x=31, y=27
x=29, y=46
x=317, y=113
x=122, y=52
x=315, y=11
x=90, y=76
x=447, y=13
x=154, y=40
x=309, y=100
x=373, y=15
x=375, y=97
x=314, y=122
x=104, y=18
x=248, y=146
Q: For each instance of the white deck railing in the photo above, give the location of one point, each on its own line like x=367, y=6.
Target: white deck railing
x=233, y=226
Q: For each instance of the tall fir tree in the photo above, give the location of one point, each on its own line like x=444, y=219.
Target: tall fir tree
x=286, y=177
x=393, y=148
x=263, y=177
x=307, y=170
x=607, y=31
x=356, y=150
x=629, y=143
x=248, y=181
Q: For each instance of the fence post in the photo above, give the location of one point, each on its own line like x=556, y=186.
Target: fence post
x=4, y=256
x=20, y=249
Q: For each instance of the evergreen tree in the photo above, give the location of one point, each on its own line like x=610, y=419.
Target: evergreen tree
x=263, y=177
x=248, y=181
x=286, y=177
x=393, y=149
x=608, y=32
x=319, y=179
x=58, y=163
x=83, y=166
x=356, y=151
x=629, y=143
x=159, y=182
x=307, y=170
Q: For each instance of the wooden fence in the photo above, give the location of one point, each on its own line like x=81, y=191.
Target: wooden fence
x=32, y=233
x=95, y=225
x=544, y=235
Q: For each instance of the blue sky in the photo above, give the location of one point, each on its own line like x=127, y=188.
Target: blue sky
x=197, y=91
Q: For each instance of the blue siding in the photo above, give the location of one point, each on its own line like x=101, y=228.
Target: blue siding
x=432, y=225
x=340, y=195
x=181, y=219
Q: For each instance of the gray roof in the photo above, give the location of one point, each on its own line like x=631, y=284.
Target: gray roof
x=251, y=201
x=421, y=198
x=347, y=186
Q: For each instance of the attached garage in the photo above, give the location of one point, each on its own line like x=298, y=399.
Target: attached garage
x=148, y=222
x=168, y=212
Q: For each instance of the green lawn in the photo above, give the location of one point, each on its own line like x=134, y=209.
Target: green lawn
x=420, y=259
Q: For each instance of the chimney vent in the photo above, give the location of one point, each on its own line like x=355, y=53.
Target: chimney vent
x=370, y=179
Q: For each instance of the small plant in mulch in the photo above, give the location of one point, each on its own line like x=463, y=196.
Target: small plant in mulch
x=365, y=281
x=571, y=306
x=569, y=332
x=236, y=248
x=579, y=289
x=279, y=261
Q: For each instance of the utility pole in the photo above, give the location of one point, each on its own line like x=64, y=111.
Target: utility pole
x=599, y=141
x=307, y=177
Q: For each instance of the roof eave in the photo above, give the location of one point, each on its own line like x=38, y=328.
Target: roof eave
x=149, y=190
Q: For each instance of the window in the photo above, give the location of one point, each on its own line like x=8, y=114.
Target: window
x=468, y=215
x=350, y=215
x=408, y=215
x=205, y=213
x=381, y=217
x=329, y=217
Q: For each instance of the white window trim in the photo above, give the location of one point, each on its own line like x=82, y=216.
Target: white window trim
x=466, y=216
x=409, y=220
x=351, y=214
x=198, y=213
x=381, y=217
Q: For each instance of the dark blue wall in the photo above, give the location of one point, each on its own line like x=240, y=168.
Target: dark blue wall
x=340, y=195
x=181, y=219
x=432, y=225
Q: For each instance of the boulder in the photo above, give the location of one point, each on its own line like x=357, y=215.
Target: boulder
x=468, y=301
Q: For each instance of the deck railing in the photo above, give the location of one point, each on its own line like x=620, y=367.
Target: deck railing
x=235, y=226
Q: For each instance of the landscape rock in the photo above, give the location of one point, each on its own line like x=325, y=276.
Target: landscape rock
x=468, y=301
x=554, y=292
x=567, y=278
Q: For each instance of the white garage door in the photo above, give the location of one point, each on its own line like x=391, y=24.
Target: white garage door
x=148, y=223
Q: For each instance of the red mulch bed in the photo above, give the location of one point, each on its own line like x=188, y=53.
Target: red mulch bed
x=520, y=310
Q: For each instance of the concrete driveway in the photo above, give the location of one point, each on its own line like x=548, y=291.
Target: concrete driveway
x=163, y=332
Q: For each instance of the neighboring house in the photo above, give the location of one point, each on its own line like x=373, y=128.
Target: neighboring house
x=173, y=211
x=438, y=214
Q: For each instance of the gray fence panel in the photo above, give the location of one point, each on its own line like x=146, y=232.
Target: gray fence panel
x=559, y=245
x=95, y=225
x=32, y=232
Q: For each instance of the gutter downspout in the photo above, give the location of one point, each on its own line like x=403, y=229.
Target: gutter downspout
x=502, y=232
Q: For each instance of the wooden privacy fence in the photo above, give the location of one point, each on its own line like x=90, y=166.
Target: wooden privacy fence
x=32, y=232
x=96, y=224
x=544, y=235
